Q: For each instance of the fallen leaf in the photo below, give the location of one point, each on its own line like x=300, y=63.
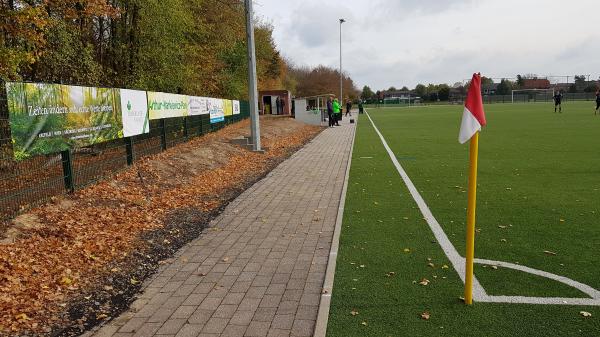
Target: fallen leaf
x=406, y=250
x=22, y=317
x=424, y=282
x=101, y=316
x=585, y=314
x=431, y=265
x=426, y=315
x=354, y=312
x=66, y=280
x=547, y=252
x=494, y=267
x=445, y=266
x=133, y=281
x=225, y=259
x=364, y=323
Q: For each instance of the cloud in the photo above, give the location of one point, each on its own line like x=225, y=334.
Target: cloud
x=421, y=7
x=405, y=42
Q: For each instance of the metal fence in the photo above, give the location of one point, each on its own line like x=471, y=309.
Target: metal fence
x=532, y=97
x=27, y=183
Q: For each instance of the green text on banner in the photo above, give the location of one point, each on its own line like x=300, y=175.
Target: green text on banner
x=48, y=118
x=164, y=105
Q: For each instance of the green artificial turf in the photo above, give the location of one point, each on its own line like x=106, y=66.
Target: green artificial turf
x=536, y=168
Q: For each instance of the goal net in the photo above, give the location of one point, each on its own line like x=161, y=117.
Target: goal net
x=535, y=95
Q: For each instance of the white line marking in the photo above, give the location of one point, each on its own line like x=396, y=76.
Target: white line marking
x=458, y=261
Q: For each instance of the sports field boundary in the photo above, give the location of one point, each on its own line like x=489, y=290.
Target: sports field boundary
x=458, y=261
x=325, y=302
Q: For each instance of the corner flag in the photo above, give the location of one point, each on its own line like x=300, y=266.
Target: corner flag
x=473, y=116
x=472, y=121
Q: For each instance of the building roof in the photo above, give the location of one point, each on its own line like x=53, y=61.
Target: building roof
x=536, y=84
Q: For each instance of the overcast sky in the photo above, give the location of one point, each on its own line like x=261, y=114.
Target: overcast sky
x=405, y=42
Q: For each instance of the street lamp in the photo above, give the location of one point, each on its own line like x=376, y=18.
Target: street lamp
x=341, y=76
x=252, y=85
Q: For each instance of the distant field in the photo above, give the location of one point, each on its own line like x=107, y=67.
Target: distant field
x=539, y=190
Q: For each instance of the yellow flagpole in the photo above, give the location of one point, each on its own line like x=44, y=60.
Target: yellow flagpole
x=474, y=150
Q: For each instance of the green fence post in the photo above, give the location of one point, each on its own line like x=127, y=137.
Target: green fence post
x=163, y=134
x=129, y=149
x=185, y=127
x=67, y=164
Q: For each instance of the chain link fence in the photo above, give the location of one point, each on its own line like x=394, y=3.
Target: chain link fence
x=30, y=182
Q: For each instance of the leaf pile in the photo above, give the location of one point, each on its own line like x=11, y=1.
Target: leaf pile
x=81, y=238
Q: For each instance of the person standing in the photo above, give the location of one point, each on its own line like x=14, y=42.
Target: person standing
x=597, y=102
x=557, y=101
x=330, y=115
x=348, y=107
x=337, y=111
x=360, y=107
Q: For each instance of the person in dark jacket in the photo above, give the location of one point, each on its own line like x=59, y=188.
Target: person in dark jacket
x=348, y=107
x=597, y=102
x=557, y=102
x=330, y=112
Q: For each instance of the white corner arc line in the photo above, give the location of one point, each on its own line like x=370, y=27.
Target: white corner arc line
x=593, y=293
x=458, y=262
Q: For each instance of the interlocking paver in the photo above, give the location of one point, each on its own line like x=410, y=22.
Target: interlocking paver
x=261, y=273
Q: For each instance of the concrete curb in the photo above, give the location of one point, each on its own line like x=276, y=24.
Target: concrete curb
x=325, y=303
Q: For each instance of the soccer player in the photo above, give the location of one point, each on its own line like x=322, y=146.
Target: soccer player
x=597, y=102
x=557, y=100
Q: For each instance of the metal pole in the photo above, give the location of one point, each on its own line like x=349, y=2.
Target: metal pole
x=341, y=76
x=252, y=86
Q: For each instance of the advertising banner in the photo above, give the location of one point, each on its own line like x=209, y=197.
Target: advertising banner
x=236, y=107
x=198, y=106
x=228, y=107
x=164, y=105
x=215, y=108
x=134, y=112
x=48, y=118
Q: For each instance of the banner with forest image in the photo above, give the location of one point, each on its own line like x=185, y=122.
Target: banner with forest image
x=49, y=118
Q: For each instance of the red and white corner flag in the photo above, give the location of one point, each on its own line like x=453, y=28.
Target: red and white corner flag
x=473, y=116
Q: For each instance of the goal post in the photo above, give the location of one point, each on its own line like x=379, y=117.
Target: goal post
x=528, y=91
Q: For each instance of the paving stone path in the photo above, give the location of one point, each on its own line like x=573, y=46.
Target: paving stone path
x=259, y=269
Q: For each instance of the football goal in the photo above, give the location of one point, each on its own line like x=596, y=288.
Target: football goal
x=524, y=95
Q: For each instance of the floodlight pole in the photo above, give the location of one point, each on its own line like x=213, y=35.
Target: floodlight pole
x=252, y=85
x=341, y=76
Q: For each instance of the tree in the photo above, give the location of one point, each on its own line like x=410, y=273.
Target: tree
x=572, y=88
x=443, y=92
x=591, y=88
x=421, y=90
x=520, y=81
x=367, y=93
x=323, y=80
x=486, y=81
x=580, y=79
x=392, y=88
x=505, y=87
x=404, y=88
